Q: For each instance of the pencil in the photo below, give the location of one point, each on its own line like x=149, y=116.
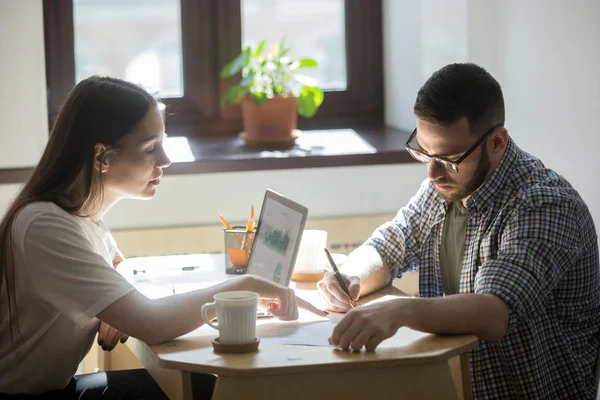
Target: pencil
x=229, y=227
x=340, y=279
x=249, y=229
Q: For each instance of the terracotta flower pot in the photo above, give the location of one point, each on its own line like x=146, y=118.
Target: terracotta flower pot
x=270, y=124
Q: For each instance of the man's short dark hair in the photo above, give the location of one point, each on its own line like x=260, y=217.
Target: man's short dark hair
x=461, y=90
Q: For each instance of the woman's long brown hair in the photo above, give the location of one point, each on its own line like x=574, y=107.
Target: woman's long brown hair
x=99, y=110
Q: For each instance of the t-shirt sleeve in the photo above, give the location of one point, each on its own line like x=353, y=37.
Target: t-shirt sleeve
x=66, y=272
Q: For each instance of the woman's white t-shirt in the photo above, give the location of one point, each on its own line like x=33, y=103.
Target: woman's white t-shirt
x=63, y=278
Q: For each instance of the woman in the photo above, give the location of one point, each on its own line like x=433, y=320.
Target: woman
x=56, y=254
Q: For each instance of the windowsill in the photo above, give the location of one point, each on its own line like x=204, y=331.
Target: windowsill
x=313, y=149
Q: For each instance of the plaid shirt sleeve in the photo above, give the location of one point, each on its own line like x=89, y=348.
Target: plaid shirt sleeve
x=538, y=244
x=399, y=241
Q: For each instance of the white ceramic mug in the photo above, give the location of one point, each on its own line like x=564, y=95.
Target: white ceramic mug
x=236, y=316
x=311, y=257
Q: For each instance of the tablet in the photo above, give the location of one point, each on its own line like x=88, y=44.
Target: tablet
x=278, y=234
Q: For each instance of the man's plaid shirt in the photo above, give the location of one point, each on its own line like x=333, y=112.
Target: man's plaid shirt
x=530, y=241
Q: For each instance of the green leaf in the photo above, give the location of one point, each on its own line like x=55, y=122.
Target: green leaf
x=307, y=63
x=309, y=101
x=247, y=80
x=260, y=48
x=247, y=57
x=259, y=98
x=282, y=43
x=225, y=70
x=283, y=52
x=233, y=95
x=237, y=64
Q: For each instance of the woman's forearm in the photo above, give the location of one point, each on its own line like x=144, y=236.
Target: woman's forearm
x=158, y=320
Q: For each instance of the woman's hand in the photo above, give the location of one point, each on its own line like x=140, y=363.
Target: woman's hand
x=109, y=337
x=119, y=258
x=281, y=301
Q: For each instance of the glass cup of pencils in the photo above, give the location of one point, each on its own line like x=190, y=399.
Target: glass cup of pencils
x=238, y=242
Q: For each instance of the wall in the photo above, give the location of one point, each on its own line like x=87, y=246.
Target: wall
x=543, y=52
x=23, y=95
x=553, y=93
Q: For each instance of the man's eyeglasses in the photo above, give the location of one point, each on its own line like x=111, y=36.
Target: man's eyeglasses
x=451, y=166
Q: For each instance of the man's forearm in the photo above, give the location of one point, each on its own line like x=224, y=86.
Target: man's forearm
x=366, y=263
x=483, y=315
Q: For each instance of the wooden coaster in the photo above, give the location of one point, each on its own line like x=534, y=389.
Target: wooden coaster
x=308, y=277
x=235, y=348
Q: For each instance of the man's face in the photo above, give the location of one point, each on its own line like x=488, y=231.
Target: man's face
x=452, y=142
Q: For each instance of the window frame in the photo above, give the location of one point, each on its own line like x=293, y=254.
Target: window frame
x=198, y=112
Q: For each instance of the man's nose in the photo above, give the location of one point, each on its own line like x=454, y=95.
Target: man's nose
x=435, y=171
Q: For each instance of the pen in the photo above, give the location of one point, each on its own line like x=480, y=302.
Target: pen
x=339, y=278
x=184, y=269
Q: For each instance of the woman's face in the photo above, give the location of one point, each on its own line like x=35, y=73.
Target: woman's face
x=135, y=171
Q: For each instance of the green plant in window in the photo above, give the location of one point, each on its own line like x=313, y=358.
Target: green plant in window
x=264, y=76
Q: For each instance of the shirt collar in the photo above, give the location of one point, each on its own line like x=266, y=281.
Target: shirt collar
x=484, y=197
x=99, y=228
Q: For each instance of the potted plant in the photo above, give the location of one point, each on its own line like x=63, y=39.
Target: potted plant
x=271, y=93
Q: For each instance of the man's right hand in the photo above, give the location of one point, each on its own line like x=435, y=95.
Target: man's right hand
x=331, y=291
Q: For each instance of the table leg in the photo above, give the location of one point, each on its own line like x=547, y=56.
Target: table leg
x=466, y=376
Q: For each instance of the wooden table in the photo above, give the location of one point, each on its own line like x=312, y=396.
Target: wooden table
x=410, y=365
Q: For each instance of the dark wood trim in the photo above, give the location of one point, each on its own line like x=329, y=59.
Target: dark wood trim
x=195, y=105
x=14, y=175
x=60, y=52
x=211, y=36
x=200, y=90
x=364, y=48
x=229, y=37
x=227, y=154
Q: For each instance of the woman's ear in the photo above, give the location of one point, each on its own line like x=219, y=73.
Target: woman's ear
x=100, y=158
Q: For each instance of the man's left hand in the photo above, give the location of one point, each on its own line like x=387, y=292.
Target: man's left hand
x=367, y=326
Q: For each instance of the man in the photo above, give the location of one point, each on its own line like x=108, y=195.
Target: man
x=506, y=250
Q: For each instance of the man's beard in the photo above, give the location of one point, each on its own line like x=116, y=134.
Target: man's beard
x=481, y=173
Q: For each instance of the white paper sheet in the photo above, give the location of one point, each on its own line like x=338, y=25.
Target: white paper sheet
x=296, y=333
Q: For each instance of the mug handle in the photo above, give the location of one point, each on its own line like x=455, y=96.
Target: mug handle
x=204, y=311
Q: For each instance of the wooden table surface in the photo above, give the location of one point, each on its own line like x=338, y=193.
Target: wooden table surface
x=411, y=359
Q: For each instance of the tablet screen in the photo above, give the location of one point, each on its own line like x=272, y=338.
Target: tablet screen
x=278, y=235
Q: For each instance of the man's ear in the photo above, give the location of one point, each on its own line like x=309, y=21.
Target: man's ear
x=101, y=158
x=499, y=140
